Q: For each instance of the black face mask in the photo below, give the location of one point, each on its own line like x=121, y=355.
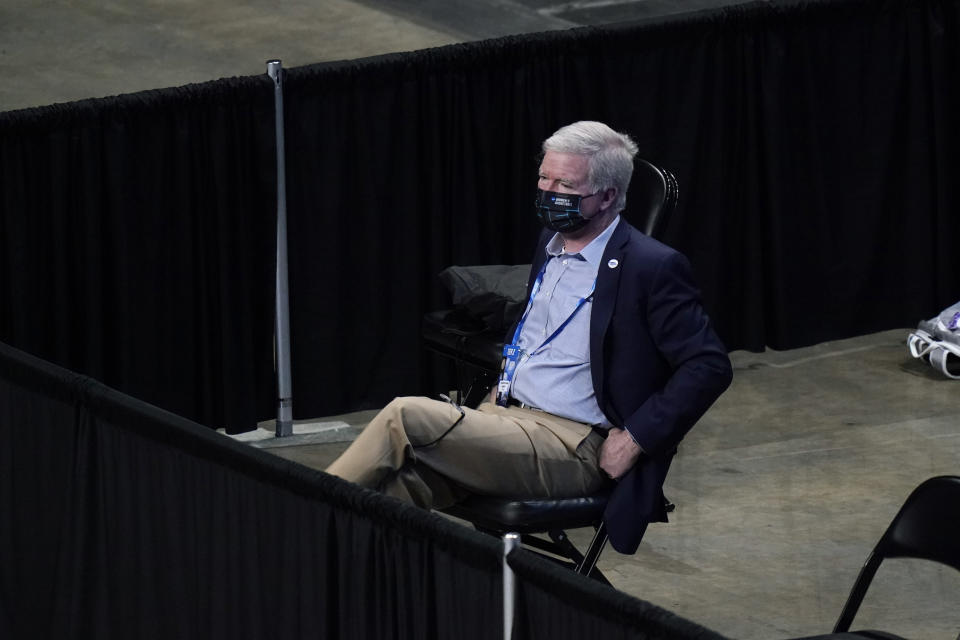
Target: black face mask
x=560, y=211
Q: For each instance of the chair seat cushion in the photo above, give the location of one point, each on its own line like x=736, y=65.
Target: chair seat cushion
x=531, y=515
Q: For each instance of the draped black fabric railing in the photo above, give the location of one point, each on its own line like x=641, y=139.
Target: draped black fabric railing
x=813, y=143
x=121, y=520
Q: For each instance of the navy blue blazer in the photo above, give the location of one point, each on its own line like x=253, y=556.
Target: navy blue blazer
x=657, y=366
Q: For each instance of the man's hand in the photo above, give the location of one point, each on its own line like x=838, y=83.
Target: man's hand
x=618, y=453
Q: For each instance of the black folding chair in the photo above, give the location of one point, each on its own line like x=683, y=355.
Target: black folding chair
x=926, y=527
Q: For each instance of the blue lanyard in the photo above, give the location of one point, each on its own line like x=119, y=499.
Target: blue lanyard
x=533, y=293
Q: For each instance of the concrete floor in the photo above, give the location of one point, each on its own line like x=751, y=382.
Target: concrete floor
x=782, y=488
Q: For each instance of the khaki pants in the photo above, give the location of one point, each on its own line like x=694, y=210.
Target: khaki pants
x=493, y=450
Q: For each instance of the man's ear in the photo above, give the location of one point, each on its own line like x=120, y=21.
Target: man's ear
x=608, y=197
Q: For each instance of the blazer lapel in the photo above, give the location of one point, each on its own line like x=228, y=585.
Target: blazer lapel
x=604, y=297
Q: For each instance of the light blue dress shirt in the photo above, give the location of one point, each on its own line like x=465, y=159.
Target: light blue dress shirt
x=556, y=377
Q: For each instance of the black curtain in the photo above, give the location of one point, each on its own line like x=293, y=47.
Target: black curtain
x=121, y=520
x=138, y=244
x=812, y=143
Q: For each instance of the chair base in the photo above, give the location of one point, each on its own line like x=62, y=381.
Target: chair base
x=533, y=518
x=559, y=549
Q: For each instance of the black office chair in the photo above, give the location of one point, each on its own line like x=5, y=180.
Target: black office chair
x=653, y=196
x=926, y=527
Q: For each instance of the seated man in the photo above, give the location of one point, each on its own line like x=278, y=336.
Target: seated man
x=610, y=365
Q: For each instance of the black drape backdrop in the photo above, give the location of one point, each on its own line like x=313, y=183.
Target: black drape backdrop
x=138, y=244
x=812, y=142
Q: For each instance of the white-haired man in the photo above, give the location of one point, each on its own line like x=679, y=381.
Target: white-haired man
x=612, y=362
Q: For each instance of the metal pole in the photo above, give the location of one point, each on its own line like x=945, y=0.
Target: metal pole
x=510, y=542
x=284, y=383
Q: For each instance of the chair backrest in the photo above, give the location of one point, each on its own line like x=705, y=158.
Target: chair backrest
x=653, y=196
x=927, y=526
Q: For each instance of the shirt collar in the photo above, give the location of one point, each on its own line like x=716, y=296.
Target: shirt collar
x=593, y=252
